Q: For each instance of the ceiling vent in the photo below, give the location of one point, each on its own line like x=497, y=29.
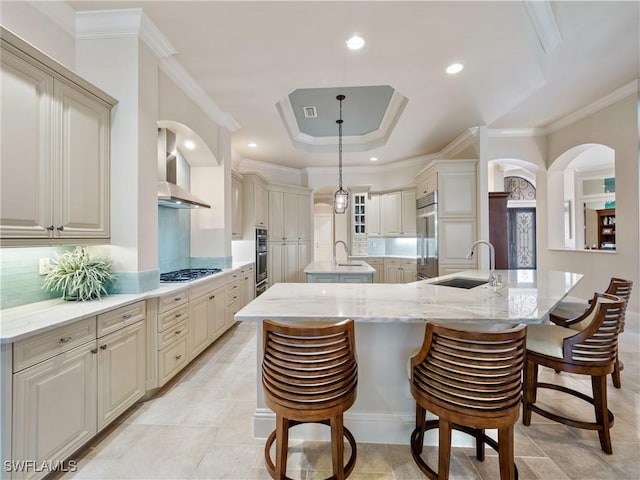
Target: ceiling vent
x=310, y=112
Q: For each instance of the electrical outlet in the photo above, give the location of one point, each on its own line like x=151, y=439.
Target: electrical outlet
x=44, y=266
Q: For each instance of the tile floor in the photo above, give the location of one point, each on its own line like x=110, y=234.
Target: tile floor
x=201, y=427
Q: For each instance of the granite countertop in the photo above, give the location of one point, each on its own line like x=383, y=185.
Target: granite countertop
x=26, y=320
x=526, y=296
x=330, y=267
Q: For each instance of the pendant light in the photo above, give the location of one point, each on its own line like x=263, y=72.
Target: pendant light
x=341, y=197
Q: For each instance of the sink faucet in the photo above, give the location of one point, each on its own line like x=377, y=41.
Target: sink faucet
x=346, y=249
x=493, y=279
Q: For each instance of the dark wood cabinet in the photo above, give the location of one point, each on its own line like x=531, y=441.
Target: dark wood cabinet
x=607, y=229
x=498, y=231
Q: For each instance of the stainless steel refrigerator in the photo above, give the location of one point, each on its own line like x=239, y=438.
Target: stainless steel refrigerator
x=427, y=225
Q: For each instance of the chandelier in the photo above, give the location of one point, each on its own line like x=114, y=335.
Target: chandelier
x=341, y=197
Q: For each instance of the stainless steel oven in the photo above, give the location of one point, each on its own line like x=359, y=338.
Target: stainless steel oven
x=261, y=260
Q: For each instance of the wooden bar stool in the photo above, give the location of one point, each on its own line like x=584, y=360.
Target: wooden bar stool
x=591, y=351
x=472, y=380
x=566, y=317
x=309, y=374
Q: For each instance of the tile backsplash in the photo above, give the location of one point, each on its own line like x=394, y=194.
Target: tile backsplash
x=20, y=282
x=174, y=238
x=402, y=246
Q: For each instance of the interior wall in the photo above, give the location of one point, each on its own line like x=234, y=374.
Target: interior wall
x=615, y=126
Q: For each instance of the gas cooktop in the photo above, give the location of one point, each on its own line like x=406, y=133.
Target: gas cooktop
x=187, y=274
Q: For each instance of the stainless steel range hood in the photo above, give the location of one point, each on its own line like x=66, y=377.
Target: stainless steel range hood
x=170, y=194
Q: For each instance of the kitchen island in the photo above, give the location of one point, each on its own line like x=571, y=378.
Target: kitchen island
x=350, y=271
x=390, y=321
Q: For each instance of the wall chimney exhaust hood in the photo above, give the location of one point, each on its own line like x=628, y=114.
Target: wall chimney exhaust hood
x=169, y=193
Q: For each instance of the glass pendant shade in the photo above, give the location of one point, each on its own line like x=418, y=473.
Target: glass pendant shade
x=340, y=201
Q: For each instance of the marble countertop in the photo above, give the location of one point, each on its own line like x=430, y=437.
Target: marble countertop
x=329, y=267
x=526, y=296
x=26, y=320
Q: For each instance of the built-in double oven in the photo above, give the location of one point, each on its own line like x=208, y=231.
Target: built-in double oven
x=261, y=261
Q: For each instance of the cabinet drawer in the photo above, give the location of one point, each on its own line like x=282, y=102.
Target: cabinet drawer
x=172, y=359
x=207, y=287
x=171, y=334
x=170, y=301
x=172, y=317
x=119, y=318
x=232, y=292
x=40, y=347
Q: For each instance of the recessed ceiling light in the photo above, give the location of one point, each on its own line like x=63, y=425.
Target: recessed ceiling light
x=454, y=68
x=252, y=145
x=374, y=159
x=355, y=43
x=189, y=144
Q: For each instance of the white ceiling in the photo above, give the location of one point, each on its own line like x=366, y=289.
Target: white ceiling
x=248, y=56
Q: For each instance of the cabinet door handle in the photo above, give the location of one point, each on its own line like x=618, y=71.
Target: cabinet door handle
x=178, y=315
x=212, y=297
x=127, y=316
x=246, y=278
x=60, y=228
x=50, y=228
x=94, y=350
x=178, y=357
x=64, y=340
x=103, y=347
x=178, y=332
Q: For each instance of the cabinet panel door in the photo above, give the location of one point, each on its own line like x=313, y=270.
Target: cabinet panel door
x=54, y=406
x=83, y=173
x=276, y=266
x=409, y=212
x=373, y=215
x=456, y=194
x=236, y=208
x=304, y=217
x=276, y=217
x=456, y=238
x=261, y=202
x=199, y=331
x=217, y=311
x=291, y=270
x=409, y=274
x=289, y=212
x=121, y=371
x=26, y=209
x=391, y=213
x=304, y=251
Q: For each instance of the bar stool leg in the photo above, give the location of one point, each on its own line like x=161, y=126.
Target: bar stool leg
x=479, y=444
x=282, y=445
x=506, y=453
x=421, y=414
x=444, y=448
x=599, y=385
x=529, y=390
x=615, y=375
x=337, y=446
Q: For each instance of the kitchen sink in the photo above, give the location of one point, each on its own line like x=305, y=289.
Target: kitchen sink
x=350, y=264
x=460, y=282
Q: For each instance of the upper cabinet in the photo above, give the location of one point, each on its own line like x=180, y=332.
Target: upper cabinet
x=255, y=200
x=290, y=211
x=236, y=207
x=398, y=213
x=54, y=149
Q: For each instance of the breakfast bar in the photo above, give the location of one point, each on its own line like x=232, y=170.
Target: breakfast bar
x=390, y=321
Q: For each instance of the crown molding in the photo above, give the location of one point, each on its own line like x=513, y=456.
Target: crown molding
x=422, y=160
x=622, y=92
x=544, y=23
x=516, y=132
x=246, y=164
x=461, y=142
x=133, y=22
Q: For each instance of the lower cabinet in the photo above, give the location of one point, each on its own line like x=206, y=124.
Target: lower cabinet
x=287, y=261
x=399, y=271
x=339, y=277
x=54, y=407
x=378, y=264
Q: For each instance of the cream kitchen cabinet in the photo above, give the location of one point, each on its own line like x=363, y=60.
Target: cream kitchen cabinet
x=248, y=281
x=54, y=407
x=55, y=150
x=255, y=205
x=290, y=211
x=287, y=262
x=398, y=213
x=172, y=335
x=399, y=270
x=455, y=182
x=206, y=316
x=373, y=215
x=378, y=265
x=236, y=206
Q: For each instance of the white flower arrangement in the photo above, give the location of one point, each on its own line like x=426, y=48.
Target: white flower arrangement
x=78, y=276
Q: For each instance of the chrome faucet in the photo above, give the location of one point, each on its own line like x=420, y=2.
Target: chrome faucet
x=346, y=249
x=493, y=279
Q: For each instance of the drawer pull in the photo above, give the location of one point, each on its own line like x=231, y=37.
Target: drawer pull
x=60, y=228
x=50, y=228
x=178, y=315
x=177, y=299
x=246, y=278
x=235, y=286
x=177, y=332
x=127, y=316
x=94, y=350
x=178, y=357
x=103, y=347
x=235, y=296
x=212, y=297
x=64, y=340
